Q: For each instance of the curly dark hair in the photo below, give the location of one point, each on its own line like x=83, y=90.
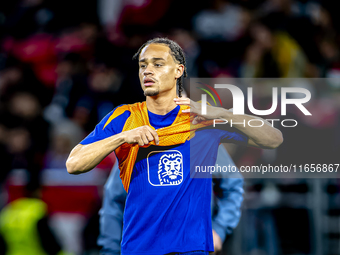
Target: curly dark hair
x=176, y=52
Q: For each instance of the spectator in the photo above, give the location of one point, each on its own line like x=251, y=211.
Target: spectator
x=24, y=227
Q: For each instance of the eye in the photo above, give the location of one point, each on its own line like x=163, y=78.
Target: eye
x=158, y=65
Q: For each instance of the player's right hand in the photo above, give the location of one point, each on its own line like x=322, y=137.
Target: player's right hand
x=141, y=135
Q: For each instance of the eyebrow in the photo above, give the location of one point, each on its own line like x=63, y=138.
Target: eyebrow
x=154, y=59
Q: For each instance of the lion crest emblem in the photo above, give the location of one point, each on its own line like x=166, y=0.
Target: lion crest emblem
x=170, y=169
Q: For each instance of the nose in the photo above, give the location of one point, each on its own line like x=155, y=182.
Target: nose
x=172, y=167
x=148, y=70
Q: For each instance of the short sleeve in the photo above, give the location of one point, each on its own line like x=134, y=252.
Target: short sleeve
x=115, y=126
x=233, y=135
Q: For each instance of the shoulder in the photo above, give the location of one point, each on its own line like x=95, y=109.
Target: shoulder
x=121, y=113
x=112, y=124
x=126, y=108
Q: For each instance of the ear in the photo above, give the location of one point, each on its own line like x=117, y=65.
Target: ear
x=179, y=70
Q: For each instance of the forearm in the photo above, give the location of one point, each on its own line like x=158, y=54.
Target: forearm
x=227, y=218
x=84, y=158
x=229, y=202
x=266, y=136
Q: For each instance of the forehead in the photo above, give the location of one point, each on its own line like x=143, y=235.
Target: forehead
x=156, y=51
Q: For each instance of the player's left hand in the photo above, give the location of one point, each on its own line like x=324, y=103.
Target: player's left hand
x=195, y=107
x=217, y=242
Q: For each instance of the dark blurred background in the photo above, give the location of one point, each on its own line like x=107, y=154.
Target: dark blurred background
x=65, y=64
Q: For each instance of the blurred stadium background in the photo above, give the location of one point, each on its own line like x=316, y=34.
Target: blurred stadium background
x=65, y=64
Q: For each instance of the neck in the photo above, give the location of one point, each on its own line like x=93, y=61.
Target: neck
x=161, y=105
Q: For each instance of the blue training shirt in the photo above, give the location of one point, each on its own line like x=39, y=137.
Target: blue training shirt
x=166, y=210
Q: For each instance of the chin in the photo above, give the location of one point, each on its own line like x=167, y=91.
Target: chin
x=151, y=92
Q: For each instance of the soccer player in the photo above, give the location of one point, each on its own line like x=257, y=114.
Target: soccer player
x=166, y=211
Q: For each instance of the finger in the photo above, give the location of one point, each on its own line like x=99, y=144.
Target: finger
x=181, y=98
x=145, y=139
x=140, y=141
x=182, y=101
x=186, y=111
x=200, y=118
x=154, y=134
x=149, y=136
x=195, y=120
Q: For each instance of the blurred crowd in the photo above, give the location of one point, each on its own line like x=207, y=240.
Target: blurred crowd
x=65, y=64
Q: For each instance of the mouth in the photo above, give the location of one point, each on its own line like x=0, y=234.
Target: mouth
x=148, y=82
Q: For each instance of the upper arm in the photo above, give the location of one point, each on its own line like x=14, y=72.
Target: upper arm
x=90, y=151
x=233, y=135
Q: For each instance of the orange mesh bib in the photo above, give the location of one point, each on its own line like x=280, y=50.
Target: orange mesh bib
x=176, y=133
